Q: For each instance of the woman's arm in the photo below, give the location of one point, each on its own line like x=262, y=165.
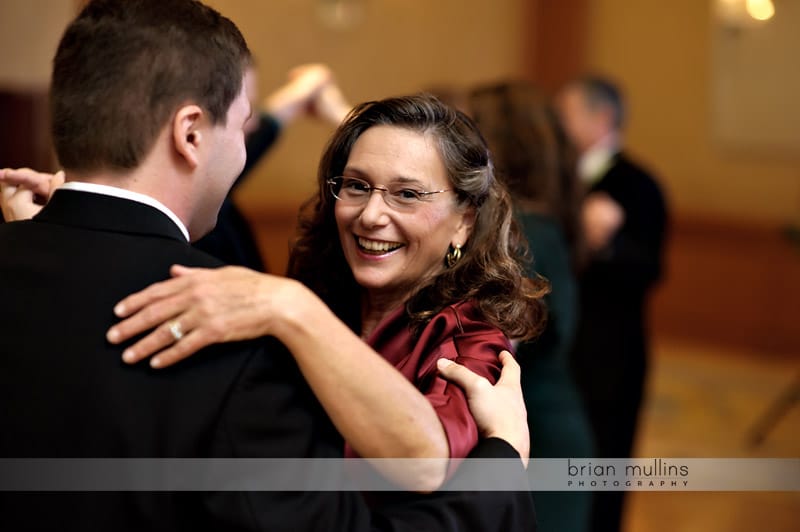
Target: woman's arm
x=486, y=401
x=377, y=410
x=458, y=333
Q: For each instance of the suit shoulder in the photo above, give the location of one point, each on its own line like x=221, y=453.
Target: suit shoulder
x=181, y=253
x=629, y=174
x=626, y=166
x=204, y=258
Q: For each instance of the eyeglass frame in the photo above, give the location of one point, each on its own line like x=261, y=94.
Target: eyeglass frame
x=421, y=195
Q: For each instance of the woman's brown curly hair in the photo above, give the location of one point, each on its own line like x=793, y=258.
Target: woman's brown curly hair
x=490, y=272
x=532, y=154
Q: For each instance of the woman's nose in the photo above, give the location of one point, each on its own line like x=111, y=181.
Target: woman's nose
x=375, y=210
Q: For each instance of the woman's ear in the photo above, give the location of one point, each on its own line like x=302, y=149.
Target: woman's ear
x=186, y=134
x=465, y=225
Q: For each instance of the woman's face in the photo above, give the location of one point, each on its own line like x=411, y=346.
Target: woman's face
x=390, y=251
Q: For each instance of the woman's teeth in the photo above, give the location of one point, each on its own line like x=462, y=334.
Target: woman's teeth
x=376, y=246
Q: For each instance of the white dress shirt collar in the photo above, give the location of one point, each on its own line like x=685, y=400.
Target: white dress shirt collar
x=595, y=162
x=117, y=192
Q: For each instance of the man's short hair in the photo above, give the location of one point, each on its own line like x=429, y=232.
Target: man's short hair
x=124, y=67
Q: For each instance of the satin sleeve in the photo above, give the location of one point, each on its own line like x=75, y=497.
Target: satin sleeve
x=477, y=348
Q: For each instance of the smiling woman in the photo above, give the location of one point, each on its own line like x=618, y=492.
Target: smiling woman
x=410, y=240
x=420, y=145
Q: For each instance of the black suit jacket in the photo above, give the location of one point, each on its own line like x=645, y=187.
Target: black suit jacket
x=617, y=279
x=64, y=392
x=630, y=265
x=610, y=352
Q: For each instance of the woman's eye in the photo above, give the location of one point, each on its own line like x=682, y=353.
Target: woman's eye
x=355, y=186
x=407, y=194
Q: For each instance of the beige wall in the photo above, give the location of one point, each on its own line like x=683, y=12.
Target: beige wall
x=29, y=34
x=661, y=51
x=399, y=46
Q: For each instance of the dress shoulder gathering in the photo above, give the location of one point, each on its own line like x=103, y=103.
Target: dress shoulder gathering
x=458, y=333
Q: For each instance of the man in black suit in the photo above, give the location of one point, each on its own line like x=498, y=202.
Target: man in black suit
x=624, y=220
x=148, y=111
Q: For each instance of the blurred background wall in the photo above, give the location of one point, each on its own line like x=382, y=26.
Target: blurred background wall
x=29, y=34
x=376, y=49
x=733, y=273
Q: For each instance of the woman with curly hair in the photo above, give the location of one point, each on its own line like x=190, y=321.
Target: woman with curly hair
x=411, y=244
x=536, y=162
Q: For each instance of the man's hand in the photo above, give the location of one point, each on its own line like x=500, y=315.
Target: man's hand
x=602, y=218
x=498, y=410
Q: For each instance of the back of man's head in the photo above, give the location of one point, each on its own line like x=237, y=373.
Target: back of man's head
x=122, y=69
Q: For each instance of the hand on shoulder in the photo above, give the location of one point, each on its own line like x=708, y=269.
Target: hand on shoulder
x=498, y=410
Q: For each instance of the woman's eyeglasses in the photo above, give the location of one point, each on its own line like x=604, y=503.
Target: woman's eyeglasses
x=355, y=191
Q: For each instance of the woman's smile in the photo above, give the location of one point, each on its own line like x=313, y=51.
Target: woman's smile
x=376, y=247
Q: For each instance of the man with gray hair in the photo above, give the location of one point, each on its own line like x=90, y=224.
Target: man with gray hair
x=624, y=221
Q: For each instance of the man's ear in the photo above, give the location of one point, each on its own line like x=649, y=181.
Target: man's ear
x=186, y=134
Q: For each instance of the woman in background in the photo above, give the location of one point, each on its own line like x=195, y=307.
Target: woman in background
x=535, y=161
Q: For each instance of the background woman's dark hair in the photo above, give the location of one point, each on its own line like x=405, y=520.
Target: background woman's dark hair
x=532, y=154
x=491, y=269
x=149, y=57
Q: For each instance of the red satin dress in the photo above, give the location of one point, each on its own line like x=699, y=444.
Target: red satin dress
x=458, y=333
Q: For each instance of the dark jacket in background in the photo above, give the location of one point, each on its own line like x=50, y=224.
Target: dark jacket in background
x=609, y=359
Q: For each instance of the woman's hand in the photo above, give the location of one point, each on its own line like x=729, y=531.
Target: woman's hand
x=199, y=307
x=23, y=192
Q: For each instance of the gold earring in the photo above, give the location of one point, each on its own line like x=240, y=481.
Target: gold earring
x=453, y=255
